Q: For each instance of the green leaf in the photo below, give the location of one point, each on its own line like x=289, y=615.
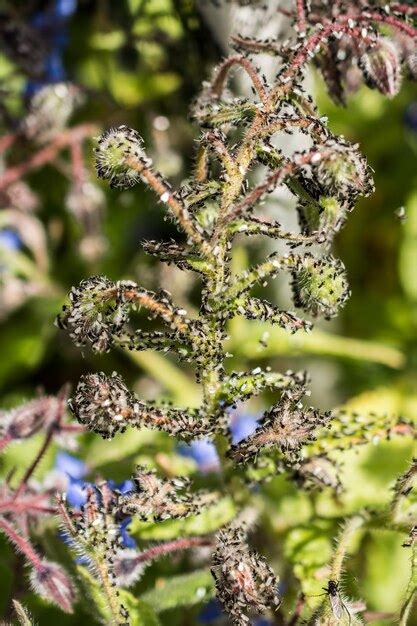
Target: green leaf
x=96, y=601
x=185, y=590
x=141, y=613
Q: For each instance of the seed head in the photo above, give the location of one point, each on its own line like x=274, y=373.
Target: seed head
x=320, y=285
x=243, y=579
x=103, y=403
x=114, y=148
x=381, y=67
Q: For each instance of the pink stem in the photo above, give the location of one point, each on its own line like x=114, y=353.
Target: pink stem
x=5, y=441
x=47, y=154
x=6, y=141
x=21, y=543
x=25, y=505
x=77, y=163
x=274, y=179
x=172, y=546
x=48, y=439
x=403, y=8
x=344, y=24
x=218, y=83
x=301, y=16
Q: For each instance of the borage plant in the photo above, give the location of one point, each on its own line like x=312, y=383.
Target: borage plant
x=217, y=204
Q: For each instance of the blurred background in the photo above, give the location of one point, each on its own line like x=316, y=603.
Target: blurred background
x=140, y=63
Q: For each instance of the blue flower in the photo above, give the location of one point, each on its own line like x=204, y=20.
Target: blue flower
x=70, y=465
x=123, y=487
x=52, y=24
x=242, y=425
x=10, y=239
x=65, y=8
x=204, y=453
x=210, y=612
x=127, y=539
x=75, y=470
x=410, y=117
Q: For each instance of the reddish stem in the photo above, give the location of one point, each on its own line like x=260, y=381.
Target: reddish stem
x=297, y=610
x=403, y=8
x=78, y=169
x=25, y=505
x=21, y=543
x=301, y=16
x=172, y=546
x=344, y=24
x=218, y=82
x=4, y=441
x=6, y=141
x=274, y=179
x=47, y=154
x=48, y=439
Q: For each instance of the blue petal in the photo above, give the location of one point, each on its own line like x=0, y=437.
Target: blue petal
x=210, y=612
x=65, y=8
x=127, y=539
x=72, y=466
x=76, y=493
x=241, y=426
x=204, y=453
x=123, y=487
x=410, y=117
x=10, y=239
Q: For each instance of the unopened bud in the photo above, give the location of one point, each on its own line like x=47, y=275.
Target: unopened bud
x=52, y=583
x=320, y=285
x=50, y=110
x=96, y=313
x=243, y=579
x=114, y=148
x=127, y=567
x=27, y=419
x=381, y=67
x=103, y=403
x=342, y=170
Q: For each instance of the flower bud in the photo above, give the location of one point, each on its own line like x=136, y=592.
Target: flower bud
x=25, y=619
x=381, y=67
x=103, y=403
x=97, y=312
x=114, y=148
x=50, y=110
x=161, y=498
x=288, y=426
x=412, y=62
x=320, y=285
x=27, y=419
x=243, y=579
x=127, y=567
x=51, y=582
x=342, y=170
